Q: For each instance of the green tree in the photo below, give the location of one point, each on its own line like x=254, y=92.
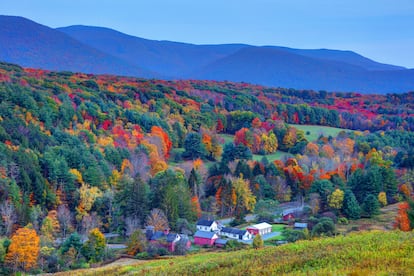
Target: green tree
x=193, y=146
x=325, y=227
x=133, y=198
x=324, y=188
x=94, y=247
x=137, y=243
x=350, y=206
x=371, y=206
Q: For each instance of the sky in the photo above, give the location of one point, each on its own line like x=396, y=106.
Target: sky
x=382, y=30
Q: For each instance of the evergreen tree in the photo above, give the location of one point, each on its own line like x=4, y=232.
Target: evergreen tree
x=194, y=148
x=371, y=206
x=350, y=206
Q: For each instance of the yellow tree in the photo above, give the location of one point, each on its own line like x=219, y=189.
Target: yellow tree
x=88, y=195
x=269, y=142
x=245, y=200
x=382, y=199
x=336, y=199
x=23, y=250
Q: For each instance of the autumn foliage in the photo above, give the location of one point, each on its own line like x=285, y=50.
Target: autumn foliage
x=23, y=250
x=401, y=221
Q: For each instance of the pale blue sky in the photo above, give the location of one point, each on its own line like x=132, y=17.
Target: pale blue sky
x=379, y=29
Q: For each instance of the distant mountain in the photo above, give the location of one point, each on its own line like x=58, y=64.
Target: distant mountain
x=277, y=67
x=30, y=44
x=166, y=57
x=103, y=50
x=343, y=56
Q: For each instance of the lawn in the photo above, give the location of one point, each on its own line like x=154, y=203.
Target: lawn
x=278, y=227
x=312, y=133
x=271, y=157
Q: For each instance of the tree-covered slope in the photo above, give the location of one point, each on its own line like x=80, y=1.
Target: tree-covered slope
x=83, y=152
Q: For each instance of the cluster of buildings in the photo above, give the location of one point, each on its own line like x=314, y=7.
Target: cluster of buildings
x=210, y=232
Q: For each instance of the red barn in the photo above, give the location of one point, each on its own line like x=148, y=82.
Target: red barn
x=205, y=238
x=288, y=217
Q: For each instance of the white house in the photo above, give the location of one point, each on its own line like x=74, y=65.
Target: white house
x=207, y=225
x=261, y=228
x=234, y=233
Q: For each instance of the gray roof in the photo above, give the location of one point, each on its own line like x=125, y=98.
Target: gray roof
x=233, y=231
x=220, y=241
x=204, y=234
x=300, y=225
x=171, y=237
x=157, y=235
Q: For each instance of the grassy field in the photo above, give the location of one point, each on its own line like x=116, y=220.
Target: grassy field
x=271, y=157
x=227, y=138
x=278, y=227
x=367, y=253
x=315, y=131
x=383, y=221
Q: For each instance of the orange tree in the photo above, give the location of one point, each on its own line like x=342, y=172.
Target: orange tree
x=23, y=250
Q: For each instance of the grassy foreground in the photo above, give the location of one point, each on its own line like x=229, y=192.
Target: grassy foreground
x=367, y=253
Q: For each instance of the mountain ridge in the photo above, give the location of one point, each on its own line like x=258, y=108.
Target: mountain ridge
x=102, y=50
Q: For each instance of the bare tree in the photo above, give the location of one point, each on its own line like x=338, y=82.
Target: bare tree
x=90, y=222
x=65, y=219
x=131, y=225
x=158, y=219
x=8, y=215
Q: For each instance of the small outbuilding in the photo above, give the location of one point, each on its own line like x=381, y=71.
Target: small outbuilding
x=261, y=228
x=205, y=238
x=300, y=226
x=220, y=243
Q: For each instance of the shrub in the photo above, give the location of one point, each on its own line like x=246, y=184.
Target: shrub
x=343, y=221
x=325, y=227
x=294, y=235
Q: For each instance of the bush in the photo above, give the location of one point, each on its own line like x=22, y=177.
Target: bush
x=156, y=251
x=343, y=221
x=294, y=235
x=233, y=245
x=325, y=227
x=143, y=256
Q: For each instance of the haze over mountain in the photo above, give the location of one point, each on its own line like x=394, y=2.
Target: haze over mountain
x=103, y=50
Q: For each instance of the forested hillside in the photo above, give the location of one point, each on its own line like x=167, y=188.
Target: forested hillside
x=97, y=153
